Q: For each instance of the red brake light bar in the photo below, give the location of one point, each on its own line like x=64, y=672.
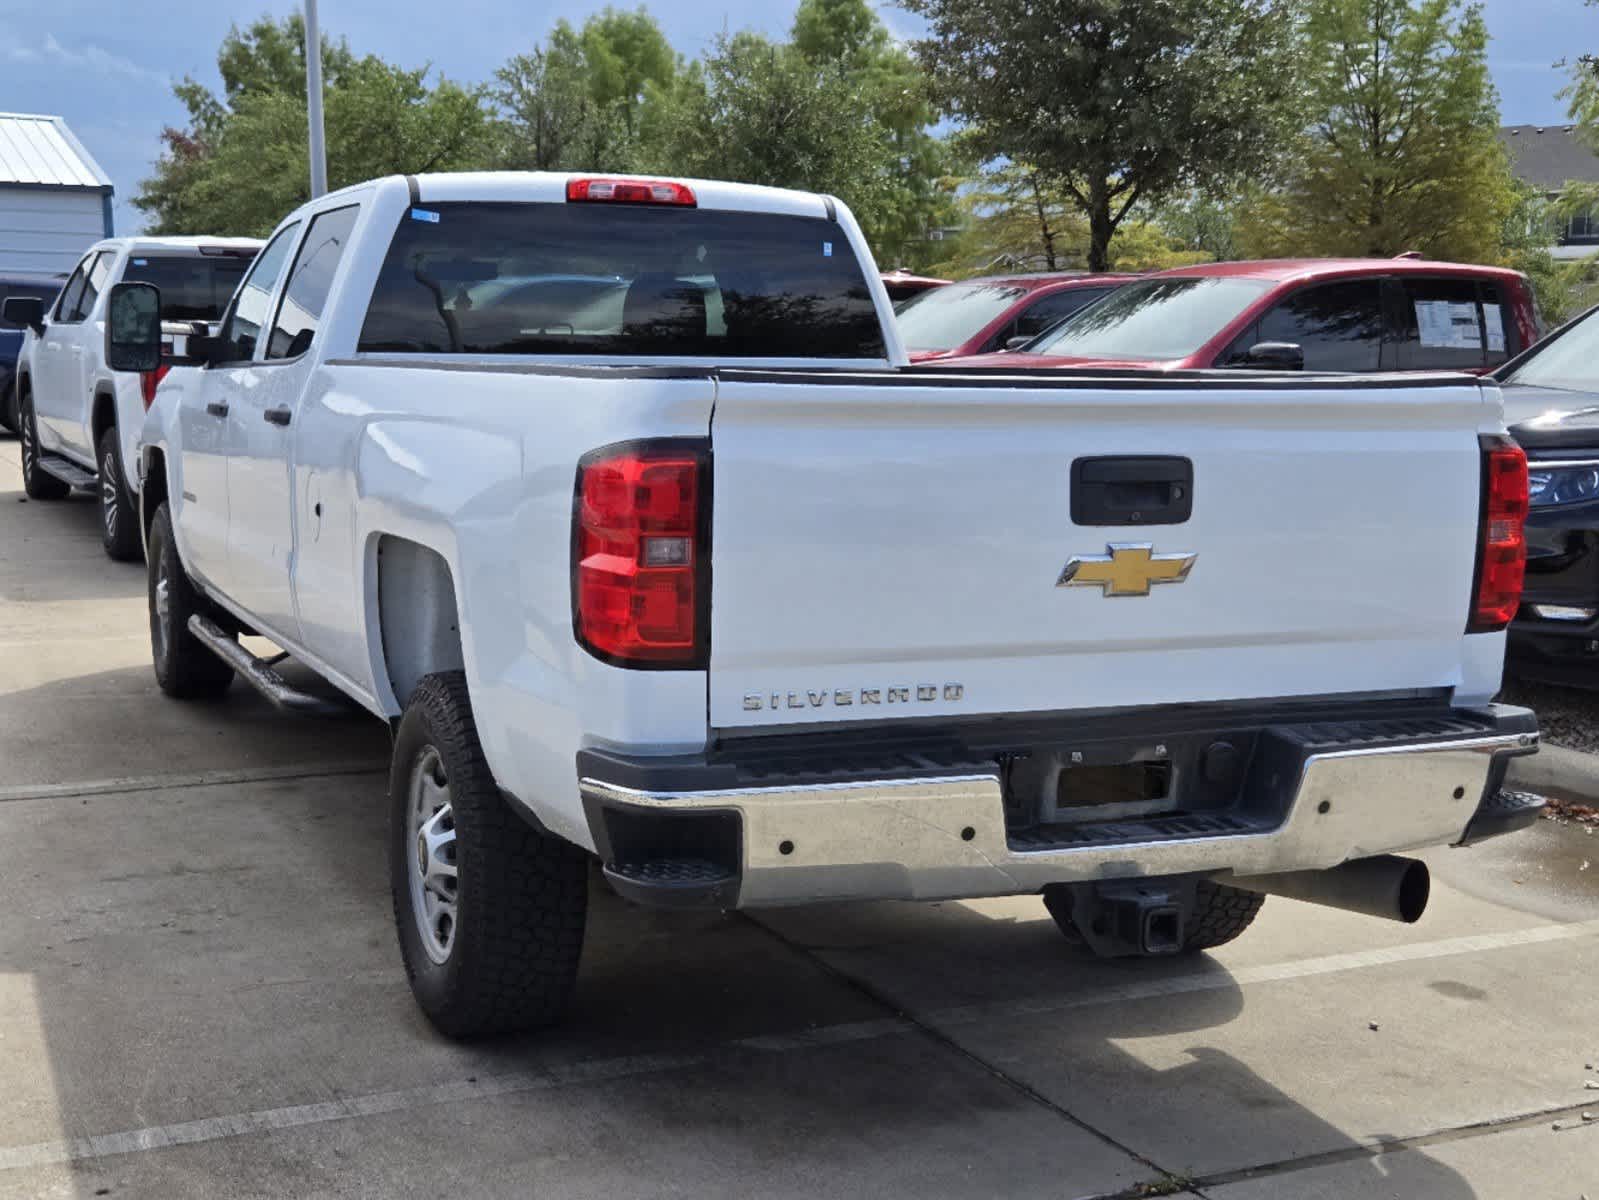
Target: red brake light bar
x=630, y=191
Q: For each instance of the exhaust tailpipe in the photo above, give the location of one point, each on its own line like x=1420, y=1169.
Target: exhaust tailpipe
x=1386, y=886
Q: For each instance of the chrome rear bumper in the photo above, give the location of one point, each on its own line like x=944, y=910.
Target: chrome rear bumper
x=945, y=837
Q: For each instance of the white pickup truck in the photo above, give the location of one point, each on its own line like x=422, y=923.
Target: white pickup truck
x=616, y=498
x=78, y=421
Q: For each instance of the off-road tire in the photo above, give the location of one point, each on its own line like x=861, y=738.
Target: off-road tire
x=1220, y=914
x=119, y=511
x=521, y=896
x=36, y=481
x=184, y=667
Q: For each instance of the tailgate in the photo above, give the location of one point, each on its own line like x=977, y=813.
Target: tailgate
x=889, y=548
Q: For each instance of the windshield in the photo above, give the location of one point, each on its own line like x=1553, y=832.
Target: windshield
x=1571, y=361
x=193, y=287
x=947, y=317
x=1152, y=319
x=498, y=278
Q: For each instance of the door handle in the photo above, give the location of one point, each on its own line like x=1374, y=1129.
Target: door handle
x=1132, y=490
x=217, y=409
x=278, y=416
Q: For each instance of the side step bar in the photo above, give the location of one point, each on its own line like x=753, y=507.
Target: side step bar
x=68, y=471
x=258, y=674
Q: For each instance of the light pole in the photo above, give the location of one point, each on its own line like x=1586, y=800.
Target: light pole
x=313, y=100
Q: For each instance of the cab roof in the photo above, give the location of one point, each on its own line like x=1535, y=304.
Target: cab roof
x=1285, y=270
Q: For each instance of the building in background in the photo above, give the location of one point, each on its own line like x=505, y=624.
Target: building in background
x=1548, y=157
x=54, y=199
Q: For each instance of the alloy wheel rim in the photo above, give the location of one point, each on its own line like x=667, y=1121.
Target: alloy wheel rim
x=162, y=609
x=430, y=852
x=108, y=495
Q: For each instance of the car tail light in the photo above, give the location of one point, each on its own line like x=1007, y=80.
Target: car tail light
x=1501, y=539
x=630, y=191
x=641, y=554
x=149, y=381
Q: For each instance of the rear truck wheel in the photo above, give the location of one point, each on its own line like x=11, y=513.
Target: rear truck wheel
x=39, y=484
x=1218, y=915
x=184, y=668
x=489, y=912
x=119, y=513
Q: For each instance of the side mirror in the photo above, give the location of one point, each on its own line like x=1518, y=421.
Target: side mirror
x=25, y=312
x=1016, y=343
x=133, y=327
x=1275, y=356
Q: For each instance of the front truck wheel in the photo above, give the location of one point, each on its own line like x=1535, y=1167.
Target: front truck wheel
x=489, y=912
x=36, y=481
x=184, y=668
x=1219, y=914
x=119, y=512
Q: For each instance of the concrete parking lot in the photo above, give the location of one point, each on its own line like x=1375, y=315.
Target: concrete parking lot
x=200, y=995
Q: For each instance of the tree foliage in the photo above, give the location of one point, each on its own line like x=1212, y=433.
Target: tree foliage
x=1400, y=150
x=839, y=108
x=242, y=161
x=1114, y=102
x=576, y=102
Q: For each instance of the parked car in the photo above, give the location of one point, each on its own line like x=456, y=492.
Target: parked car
x=982, y=316
x=1373, y=314
x=1551, y=396
x=42, y=288
x=78, y=421
x=902, y=285
x=689, y=577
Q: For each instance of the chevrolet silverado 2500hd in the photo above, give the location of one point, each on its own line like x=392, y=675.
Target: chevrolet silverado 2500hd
x=616, y=498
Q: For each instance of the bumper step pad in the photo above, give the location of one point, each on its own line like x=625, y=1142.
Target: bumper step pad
x=1504, y=811
x=675, y=883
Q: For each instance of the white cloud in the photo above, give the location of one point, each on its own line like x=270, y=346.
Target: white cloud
x=86, y=57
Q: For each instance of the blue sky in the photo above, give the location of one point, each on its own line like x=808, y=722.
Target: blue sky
x=106, y=65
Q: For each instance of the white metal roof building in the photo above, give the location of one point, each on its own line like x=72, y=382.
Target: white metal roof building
x=54, y=198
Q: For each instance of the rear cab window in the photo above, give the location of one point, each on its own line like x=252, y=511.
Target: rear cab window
x=194, y=287
x=481, y=277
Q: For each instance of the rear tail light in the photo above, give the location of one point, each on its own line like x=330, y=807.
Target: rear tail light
x=149, y=381
x=1501, y=539
x=630, y=191
x=641, y=554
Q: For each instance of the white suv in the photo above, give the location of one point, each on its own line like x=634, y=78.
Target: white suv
x=79, y=423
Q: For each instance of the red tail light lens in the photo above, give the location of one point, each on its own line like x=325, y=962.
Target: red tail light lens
x=1502, y=539
x=630, y=191
x=640, y=566
x=149, y=381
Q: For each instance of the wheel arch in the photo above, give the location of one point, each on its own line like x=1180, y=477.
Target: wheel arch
x=102, y=412
x=153, y=490
x=413, y=612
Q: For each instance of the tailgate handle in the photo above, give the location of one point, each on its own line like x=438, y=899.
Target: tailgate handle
x=1142, y=490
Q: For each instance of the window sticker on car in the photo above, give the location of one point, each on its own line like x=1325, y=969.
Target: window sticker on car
x=422, y=214
x=827, y=249
x=1448, y=323
x=1496, y=328
x=141, y=262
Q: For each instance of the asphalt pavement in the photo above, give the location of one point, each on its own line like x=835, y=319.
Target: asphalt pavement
x=201, y=996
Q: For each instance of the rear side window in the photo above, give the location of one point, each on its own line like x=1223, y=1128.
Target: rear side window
x=193, y=287
x=1339, y=326
x=310, y=280
x=530, y=278
x=1438, y=326
x=252, y=305
x=1052, y=310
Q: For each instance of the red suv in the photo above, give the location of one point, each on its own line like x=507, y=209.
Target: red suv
x=978, y=316
x=1362, y=314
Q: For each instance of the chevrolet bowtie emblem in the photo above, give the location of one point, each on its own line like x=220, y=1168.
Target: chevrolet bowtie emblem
x=1127, y=570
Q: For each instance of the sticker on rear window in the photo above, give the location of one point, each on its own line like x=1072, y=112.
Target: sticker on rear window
x=827, y=249
x=141, y=262
x=422, y=214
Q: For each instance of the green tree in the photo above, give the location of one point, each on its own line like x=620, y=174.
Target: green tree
x=840, y=108
x=241, y=163
x=1401, y=150
x=1115, y=102
x=576, y=102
